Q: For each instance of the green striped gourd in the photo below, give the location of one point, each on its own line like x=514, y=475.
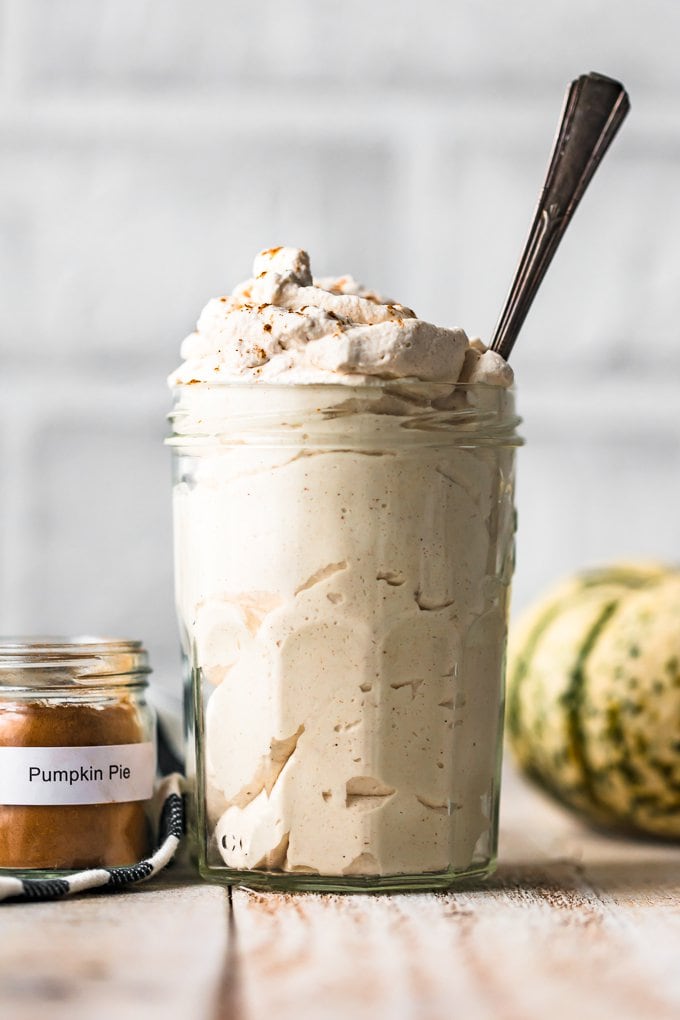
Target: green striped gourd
x=594, y=696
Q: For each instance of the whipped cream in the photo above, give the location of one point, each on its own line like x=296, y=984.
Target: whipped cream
x=343, y=561
x=284, y=326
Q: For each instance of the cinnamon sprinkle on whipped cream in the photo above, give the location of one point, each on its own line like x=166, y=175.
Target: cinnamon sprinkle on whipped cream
x=284, y=326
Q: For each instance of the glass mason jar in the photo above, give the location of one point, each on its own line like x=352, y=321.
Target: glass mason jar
x=343, y=560
x=77, y=754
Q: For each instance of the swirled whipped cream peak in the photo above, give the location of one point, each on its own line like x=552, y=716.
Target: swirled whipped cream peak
x=284, y=326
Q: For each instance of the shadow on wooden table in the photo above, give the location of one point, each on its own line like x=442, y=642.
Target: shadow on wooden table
x=643, y=875
x=652, y=868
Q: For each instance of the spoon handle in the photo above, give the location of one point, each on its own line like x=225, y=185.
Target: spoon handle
x=594, y=109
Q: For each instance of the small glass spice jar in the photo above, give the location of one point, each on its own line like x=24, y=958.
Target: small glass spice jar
x=77, y=754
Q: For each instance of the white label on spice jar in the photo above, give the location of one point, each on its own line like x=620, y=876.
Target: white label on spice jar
x=77, y=775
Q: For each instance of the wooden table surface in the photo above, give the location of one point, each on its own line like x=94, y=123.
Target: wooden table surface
x=573, y=925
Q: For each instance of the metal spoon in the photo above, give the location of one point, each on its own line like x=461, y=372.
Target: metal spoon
x=594, y=109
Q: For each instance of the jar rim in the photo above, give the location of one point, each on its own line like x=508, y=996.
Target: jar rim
x=348, y=383
x=410, y=410
x=81, y=659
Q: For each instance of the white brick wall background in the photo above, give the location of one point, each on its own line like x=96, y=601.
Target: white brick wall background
x=149, y=147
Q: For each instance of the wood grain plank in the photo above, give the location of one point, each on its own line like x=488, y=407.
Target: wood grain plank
x=573, y=924
x=155, y=953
